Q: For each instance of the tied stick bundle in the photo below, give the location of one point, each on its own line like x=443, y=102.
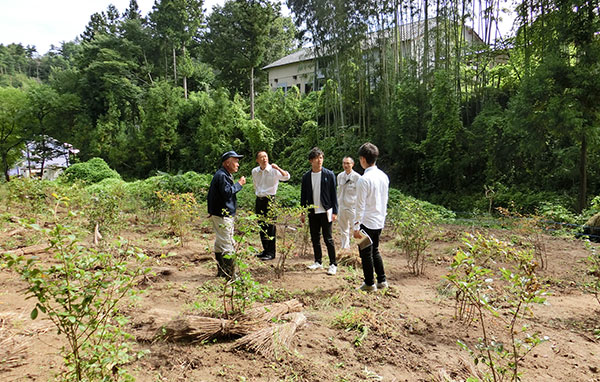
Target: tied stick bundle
x=349, y=258
x=271, y=340
x=272, y=311
x=198, y=329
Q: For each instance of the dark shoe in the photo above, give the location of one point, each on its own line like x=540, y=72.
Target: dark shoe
x=229, y=268
x=266, y=257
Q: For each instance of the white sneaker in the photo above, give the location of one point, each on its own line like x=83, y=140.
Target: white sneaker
x=332, y=270
x=314, y=266
x=367, y=288
x=383, y=285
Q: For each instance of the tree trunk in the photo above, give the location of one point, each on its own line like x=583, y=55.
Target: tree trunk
x=5, y=165
x=185, y=89
x=339, y=89
x=252, y=93
x=426, y=42
x=582, y=199
x=174, y=66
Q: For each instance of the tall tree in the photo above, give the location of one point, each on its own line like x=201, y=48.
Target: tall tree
x=178, y=23
x=240, y=36
x=12, y=136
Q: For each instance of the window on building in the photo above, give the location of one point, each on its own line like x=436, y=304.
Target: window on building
x=308, y=87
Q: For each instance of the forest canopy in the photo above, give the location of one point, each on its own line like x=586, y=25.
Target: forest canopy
x=170, y=91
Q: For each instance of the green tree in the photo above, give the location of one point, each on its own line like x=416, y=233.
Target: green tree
x=12, y=104
x=240, y=36
x=442, y=147
x=178, y=23
x=159, y=124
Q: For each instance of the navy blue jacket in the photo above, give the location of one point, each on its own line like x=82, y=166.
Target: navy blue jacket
x=221, y=199
x=328, y=190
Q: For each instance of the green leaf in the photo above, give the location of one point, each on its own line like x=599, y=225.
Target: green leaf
x=34, y=313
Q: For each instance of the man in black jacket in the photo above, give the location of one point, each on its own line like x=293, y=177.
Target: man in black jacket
x=318, y=192
x=222, y=206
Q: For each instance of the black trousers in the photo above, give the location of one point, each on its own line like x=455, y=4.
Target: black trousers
x=318, y=223
x=267, y=231
x=371, y=258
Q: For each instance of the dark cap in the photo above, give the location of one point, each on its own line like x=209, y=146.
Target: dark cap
x=230, y=154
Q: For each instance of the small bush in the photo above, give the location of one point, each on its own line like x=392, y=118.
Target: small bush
x=189, y=183
x=92, y=171
x=33, y=193
x=105, y=205
x=398, y=199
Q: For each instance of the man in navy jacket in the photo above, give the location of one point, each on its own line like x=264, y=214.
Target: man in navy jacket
x=318, y=192
x=222, y=206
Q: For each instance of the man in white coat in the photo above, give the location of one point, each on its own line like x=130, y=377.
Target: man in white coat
x=346, y=194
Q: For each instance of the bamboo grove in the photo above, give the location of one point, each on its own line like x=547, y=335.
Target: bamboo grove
x=459, y=99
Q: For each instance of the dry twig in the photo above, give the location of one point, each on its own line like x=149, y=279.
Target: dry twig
x=272, y=340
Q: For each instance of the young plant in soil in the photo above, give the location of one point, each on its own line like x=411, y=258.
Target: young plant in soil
x=593, y=261
x=413, y=226
x=531, y=228
x=241, y=291
x=80, y=291
x=353, y=319
x=105, y=211
x=487, y=294
x=180, y=209
x=287, y=219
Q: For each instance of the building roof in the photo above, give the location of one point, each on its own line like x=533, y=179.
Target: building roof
x=304, y=54
x=406, y=32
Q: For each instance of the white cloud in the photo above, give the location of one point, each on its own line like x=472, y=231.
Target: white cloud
x=45, y=22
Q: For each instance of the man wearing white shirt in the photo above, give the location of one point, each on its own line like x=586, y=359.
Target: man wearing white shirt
x=371, y=209
x=346, y=194
x=317, y=191
x=266, y=178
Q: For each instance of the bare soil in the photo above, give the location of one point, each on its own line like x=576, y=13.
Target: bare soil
x=412, y=333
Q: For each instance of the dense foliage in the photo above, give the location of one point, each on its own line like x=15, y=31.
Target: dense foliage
x=170, y=91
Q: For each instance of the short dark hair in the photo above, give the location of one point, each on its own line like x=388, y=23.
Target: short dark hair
x=368, y=151
x=261, y=151
x=315, y=152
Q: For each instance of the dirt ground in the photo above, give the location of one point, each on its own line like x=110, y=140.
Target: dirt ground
x=412, y=332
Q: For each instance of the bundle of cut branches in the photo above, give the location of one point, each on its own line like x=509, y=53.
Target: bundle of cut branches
x=196, y=329
x=272, y=341
x=349, y=258
x=272, y=311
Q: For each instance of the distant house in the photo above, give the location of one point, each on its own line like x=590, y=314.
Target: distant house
x=298, y=69
x=46, y=158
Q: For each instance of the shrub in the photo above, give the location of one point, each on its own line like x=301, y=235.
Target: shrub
x=555, y=212
x=485, y=293
x=92, y=171
x=189, y=183
x=80, y=292
x=32, y=192
x=437, y=212
x=181, y=209
x=105, y=204
x=413, y=226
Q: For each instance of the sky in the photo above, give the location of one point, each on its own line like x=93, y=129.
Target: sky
x=42, y=23
x=45, y=22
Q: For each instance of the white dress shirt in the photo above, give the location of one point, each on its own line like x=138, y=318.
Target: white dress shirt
x=371, y=199
x=346, y=192
x=266, y=181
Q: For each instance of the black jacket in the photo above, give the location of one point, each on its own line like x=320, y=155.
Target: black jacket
x=328, y=190
x=221, y=199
